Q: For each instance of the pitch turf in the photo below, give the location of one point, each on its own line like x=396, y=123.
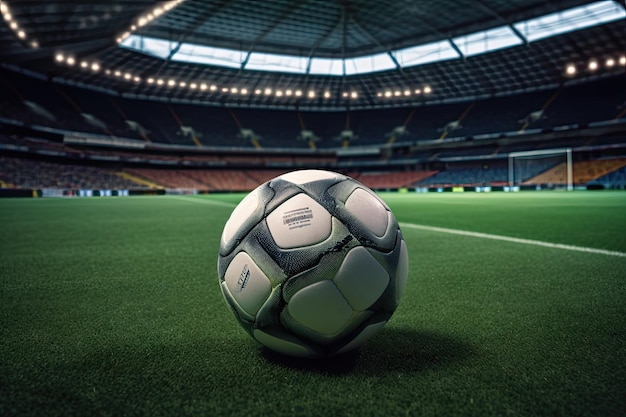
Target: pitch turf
x=110, y=306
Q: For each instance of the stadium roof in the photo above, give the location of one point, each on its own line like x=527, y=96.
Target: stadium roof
x=353, y=53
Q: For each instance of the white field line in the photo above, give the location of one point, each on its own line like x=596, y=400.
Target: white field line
x=452, y=232
x=204, y=201
x=512, y=239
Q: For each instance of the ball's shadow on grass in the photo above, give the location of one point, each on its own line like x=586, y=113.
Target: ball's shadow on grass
x=392, y=351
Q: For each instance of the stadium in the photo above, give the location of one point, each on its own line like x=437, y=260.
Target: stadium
x=494, y=130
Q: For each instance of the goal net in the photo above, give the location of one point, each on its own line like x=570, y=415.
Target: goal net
x=549, y=168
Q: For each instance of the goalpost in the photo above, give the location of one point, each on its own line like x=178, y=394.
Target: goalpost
x=551, y=167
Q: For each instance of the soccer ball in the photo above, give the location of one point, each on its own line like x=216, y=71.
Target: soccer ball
x=312, y=263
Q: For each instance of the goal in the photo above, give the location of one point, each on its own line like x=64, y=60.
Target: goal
x=548, y=168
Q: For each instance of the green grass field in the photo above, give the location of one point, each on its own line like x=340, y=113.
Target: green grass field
x=111, y=307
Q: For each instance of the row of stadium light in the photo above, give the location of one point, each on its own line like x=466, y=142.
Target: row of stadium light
x=96, y=67
x=461, y=47
x=595, y=65
x=141, y=21
x=148, y=17
x=15, y=26
x=404, y=93
x=159, y=10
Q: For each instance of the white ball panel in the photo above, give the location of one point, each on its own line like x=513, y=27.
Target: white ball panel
x=361, y=279
x=363, y=337
x=402, y=271
x=368, y=210
x=321, y=308
x=233, y=303
x=281, y=345
x=247, y=284
x=240, y=214
x=308, y=175
x=298, y=222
